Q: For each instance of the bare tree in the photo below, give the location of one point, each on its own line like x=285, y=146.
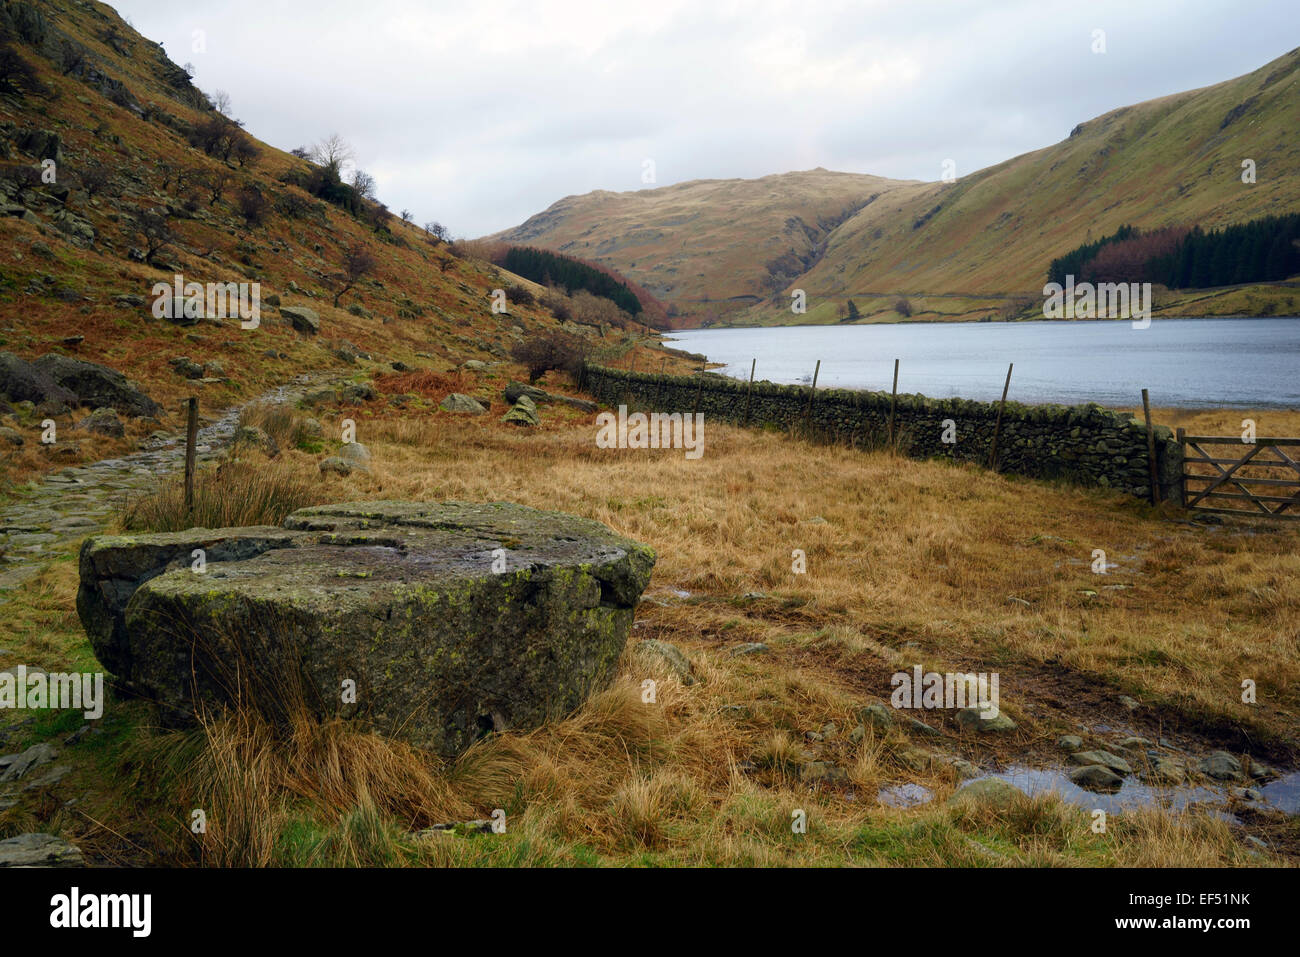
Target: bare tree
x=364, y=184
x=216, y=183
x=220, y=101
x=154, y=229
x=333, y=152
x=437, y=232
x=407, y=216
x=358, y=261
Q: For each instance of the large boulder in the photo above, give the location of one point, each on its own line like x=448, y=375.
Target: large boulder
x=436, y=623
x=97, y=386
x=460, y=402
x=22, y=381
x=302, y=318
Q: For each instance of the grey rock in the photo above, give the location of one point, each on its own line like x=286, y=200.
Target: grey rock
x=257, y=438
x=1096, y=777
x=671, y=655
x=987, y=792
x=748, y=648
x=103, y=422
x=1069, y=742
x=334, y=465
x=23, y=381
x=1104, y=758
x=1222, y=766
x=39, y=850
x=399, y=597
x=459, y=402
x=523, y=413
x=33, y=757
x=356, y=455
x=974, y=719
x=97, y=386
x=302, y=319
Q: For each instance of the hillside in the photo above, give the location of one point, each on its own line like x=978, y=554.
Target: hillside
x=974, y=246
x=135, y=196
x=710, y=247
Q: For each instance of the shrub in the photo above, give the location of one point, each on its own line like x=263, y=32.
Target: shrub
x=541, y=353
x=252, y=205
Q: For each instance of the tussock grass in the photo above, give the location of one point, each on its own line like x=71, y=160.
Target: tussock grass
x=236, y=493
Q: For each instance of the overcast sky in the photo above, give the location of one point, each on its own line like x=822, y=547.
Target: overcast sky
x=479, y=113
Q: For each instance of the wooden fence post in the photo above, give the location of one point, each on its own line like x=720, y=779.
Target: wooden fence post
x=812, y=392
x=997, y=426
x=893, y=405
x=1151, y=449
x=191, y=449
x=749, y=393
x=1181, y=436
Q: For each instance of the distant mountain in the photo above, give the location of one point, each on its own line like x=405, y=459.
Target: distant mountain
x=717, y=248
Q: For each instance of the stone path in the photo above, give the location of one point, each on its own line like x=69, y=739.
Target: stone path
x=66, y=506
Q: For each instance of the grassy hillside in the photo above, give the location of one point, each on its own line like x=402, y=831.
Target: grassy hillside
x=73, y=280
x=709, y=247
x=984, y=240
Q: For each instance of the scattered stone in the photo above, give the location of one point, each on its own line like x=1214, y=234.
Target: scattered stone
x=1096, y=777
x=857, y=734
x=1129, y=703
x=748, y=648
x=677, y=662
x=1136, y=744
x=358, y=392
x=257, y=438
x=39, y=850
x=460, y=402
x=302, y=318
x=1222, y=766
x=333, y=465
x=1246, y=794
x=975, y=719
x=103, y=422
x=356, y=455
x=523, y=412
x=1104, y=758
x=904, y=795
x=823, y=772
x=33, y=757
x=986, y=792
x=1069, y=742
x=876, y=716
x=475, y=365
x=10, y=436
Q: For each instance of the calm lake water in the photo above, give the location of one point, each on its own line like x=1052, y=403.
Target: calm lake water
x=1241, y=363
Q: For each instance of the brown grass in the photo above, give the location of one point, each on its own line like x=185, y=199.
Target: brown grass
x=236, y=493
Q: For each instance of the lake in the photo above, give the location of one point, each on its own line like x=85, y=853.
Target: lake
x=1195, y=363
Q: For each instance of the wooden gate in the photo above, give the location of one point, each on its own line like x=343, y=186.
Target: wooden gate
x=1264, y=478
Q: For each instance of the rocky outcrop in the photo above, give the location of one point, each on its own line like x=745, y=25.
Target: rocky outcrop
x=302, y=319
x=436, y=623
x=96, y=386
